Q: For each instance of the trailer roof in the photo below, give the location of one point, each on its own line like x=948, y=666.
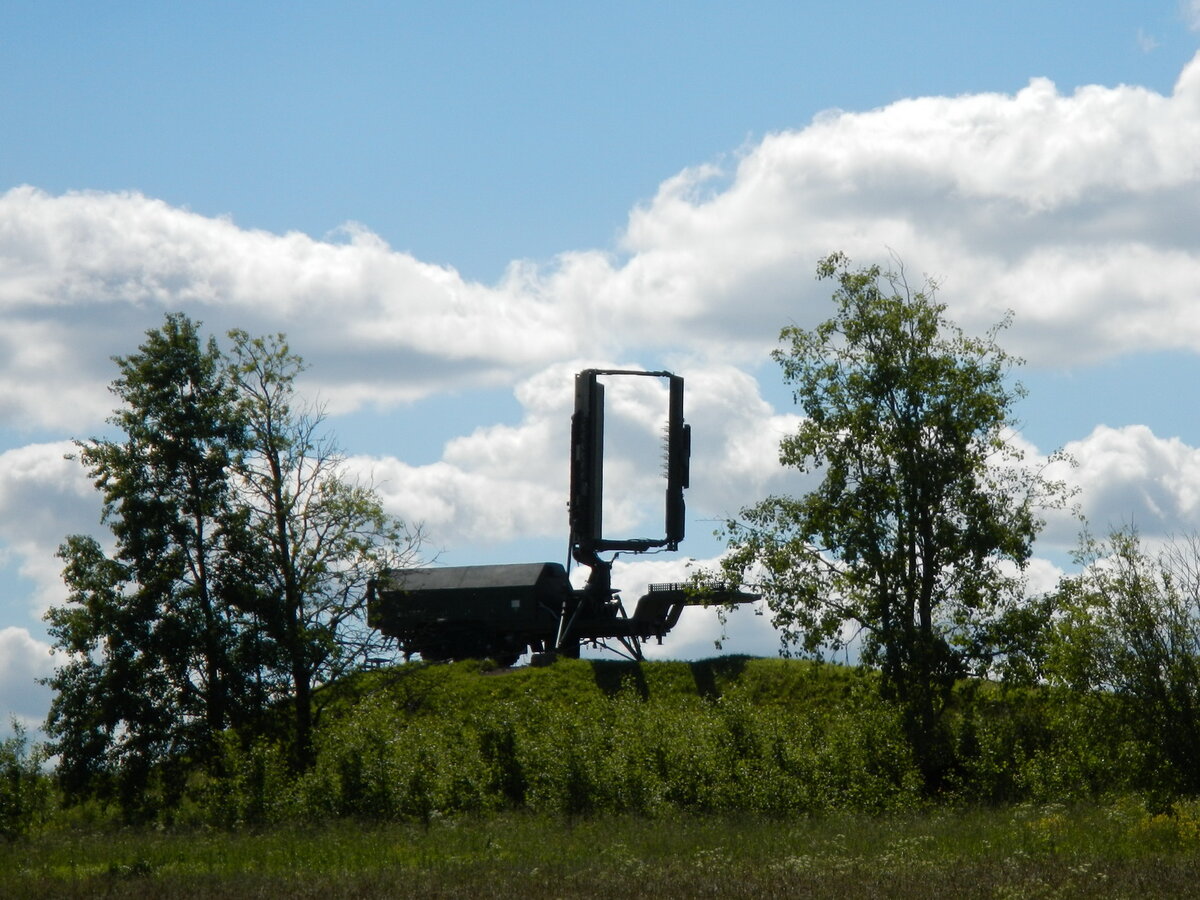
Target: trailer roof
x=474, y=577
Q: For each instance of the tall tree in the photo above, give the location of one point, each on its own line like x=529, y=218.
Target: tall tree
x=923, y=518
x=149, y=637
x=321, y=534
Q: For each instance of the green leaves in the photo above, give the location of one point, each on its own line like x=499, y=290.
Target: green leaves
x=149, y=637
x=1129, y=626
x=237, y=580
x=924, y=512
x=317, y=535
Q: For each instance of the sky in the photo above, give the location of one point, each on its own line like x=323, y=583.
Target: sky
x=452, y=208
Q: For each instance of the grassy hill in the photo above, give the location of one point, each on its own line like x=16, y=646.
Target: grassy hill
x=733, y=733
x=582, y=736
x=472, y=688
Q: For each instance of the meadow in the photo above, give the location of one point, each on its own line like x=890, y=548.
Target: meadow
x=1121, y=850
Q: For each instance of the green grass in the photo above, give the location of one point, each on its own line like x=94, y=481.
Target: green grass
x=1049, y=851
x=417, y=689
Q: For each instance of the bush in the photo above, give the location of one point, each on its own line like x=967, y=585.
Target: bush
x=618, y=752
x=26, y=795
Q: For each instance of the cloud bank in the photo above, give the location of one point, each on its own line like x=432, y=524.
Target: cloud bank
x=1077, y=211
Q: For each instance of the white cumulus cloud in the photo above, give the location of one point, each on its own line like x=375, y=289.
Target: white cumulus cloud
x=44, y=496
x=1130, y=476
x=23, y=661
x=84, y=274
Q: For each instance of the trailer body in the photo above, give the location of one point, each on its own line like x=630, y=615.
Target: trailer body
x=463, y=612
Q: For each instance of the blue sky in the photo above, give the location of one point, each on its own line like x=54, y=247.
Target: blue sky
x=452, y=207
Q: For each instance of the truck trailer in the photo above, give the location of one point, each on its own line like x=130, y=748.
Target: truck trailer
x=500, y=612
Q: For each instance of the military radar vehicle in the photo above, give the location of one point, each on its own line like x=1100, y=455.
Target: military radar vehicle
x=502, y=611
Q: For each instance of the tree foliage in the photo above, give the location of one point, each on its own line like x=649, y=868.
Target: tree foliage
x=25, y=795
x=152, y=642
x=914, y=539
x=1128, y=632
x=320, y=536
x=240, y=557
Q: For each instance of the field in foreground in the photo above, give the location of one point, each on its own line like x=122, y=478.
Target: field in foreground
x=1118, y=850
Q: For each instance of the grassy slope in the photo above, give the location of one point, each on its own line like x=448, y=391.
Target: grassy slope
x=794, y=685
